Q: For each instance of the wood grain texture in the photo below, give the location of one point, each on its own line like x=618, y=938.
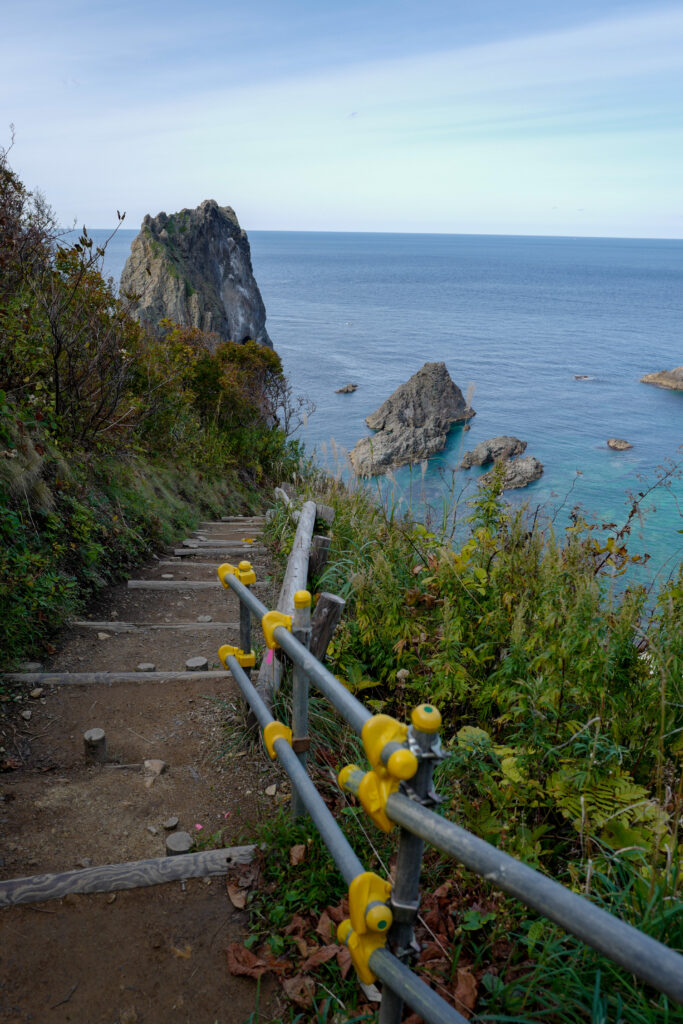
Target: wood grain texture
x=328, y=612
x=112, y=877
x=139, y=627
x=107, y=678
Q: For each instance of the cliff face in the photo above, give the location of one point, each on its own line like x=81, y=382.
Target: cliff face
x=413, y=423
x=195, y=268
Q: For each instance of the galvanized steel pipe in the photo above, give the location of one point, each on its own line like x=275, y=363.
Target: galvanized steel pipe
x=648, y=959
x=419, y=997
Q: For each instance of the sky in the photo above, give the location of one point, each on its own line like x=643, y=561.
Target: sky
x=492, y=117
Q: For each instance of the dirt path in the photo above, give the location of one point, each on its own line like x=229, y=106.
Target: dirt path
x=147, y=955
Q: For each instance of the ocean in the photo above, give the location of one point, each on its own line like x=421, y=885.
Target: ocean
x=519, y=319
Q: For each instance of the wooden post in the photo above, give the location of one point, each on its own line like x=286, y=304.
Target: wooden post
x=326, y=618
x=95, y=746
x=320, y=549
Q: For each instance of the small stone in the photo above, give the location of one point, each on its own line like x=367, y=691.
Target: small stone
x=271, y=790
x=84, y=862
x=206, y=880
x=38, y=692
x=171, y=823
x=26, y=715
x=167, y=576
x=204, y=618
x=152, y=830
x=129, y=1016
x=196, y=664
x=104, y=636
x=146, y=666
x=111, y=897
x=32, y=666
x=154, y=766
x=178, y=843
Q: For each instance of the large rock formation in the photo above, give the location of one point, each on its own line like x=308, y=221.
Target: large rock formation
x=413, y=423
x=519, y=472
x=671, y=379
x=194, y=267
x=502, y=447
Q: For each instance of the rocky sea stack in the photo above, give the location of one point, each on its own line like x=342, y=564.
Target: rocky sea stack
x=413, y=423
x=194, y=267
x=670, y=379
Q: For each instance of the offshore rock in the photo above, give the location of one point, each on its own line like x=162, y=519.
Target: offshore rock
x=670, y=379
x=194, y=267
x=502, y=447
x=413, y=423
x=519, y=472
x=618, y=444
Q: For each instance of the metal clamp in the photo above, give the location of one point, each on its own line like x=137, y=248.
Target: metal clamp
x=270, y=622
x=244, y=573
x=276, y=731
x=392, y=762
x=244, y=659
x=370, y=920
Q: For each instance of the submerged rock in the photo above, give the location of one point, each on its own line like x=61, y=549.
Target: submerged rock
x=348, y=389
x=618, y=444
x=413, y=423
x=502, y=447
x=670, y=379
x=194, y=267
x=519, y=472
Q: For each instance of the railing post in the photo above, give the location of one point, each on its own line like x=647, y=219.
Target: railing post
x=424, y=742
x=301, y=630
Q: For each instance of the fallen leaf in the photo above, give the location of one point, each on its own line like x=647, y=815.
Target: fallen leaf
x=338, y=914
x=443, y=890
x=182, y=954
x=466, y=989
x=297, y=924
x=321, y=956
x=343, y=961
x=300, y=990
x=297, y=854
x=243, y=961
x=301, y=945
x=238, y=897
x=326, y=928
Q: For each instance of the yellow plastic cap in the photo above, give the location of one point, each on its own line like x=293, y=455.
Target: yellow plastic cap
x=244, y=566
x=343, y=931
x=302, y=599
x=426, y=718
x=402, y=764
x=378, y=917
x=344, y=774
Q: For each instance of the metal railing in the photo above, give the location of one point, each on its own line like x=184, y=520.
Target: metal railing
x=398, y=791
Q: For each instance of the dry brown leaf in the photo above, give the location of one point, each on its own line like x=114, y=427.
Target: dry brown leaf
x=466, y=990
x=300, y=990
x=238, y=897
x=430, y=952
x=442, y=891
x=297, y=924
x=326, y=928
x=343, y=961
x=243, y=961
x=339, y=913
x=301, y=945
x=321, y=956
x=182, y=954
x=297, y=854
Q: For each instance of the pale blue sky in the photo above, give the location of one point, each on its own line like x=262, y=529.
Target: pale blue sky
x=512, y=118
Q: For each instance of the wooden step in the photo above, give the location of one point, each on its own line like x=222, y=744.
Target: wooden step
x=114, y=877
x=219, y=551
x=136, y=627
x=107, y=678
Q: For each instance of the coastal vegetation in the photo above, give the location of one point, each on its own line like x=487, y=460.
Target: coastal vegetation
x=111, y=439
x=561, y=688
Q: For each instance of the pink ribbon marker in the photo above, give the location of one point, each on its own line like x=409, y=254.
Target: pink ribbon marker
x=269, y=658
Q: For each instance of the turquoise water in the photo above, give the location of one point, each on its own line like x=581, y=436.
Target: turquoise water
x=517, y=317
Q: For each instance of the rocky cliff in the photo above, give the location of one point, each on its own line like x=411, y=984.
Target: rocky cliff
x=413, y=423
x=194, y=267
